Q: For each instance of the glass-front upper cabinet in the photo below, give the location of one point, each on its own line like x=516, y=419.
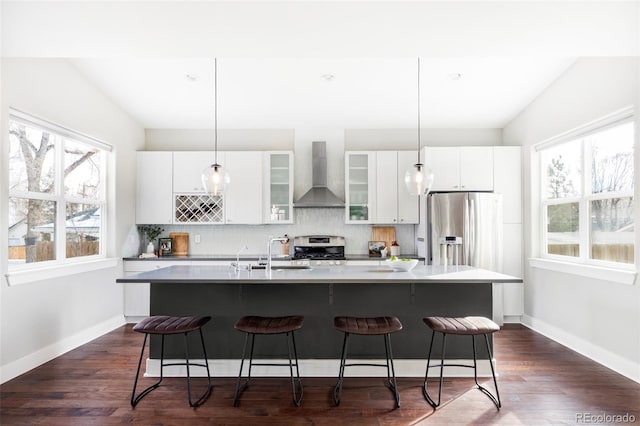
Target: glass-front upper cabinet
x=360, y=186
x=278, y=187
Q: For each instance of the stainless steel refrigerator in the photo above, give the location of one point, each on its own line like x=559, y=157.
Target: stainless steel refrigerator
x=465, y=228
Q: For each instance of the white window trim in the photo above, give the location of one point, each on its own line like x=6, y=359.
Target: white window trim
x=47, y=272
x=39, y=271
x=583, y=265
x=32, y=120
x=615, y=275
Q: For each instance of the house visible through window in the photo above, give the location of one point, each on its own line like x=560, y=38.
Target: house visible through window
x=56, y=193
x=587, y=194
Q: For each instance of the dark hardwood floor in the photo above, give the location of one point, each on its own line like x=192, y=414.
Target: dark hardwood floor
x=541, y=382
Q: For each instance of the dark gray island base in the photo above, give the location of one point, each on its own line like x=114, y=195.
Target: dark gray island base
x=320, y=294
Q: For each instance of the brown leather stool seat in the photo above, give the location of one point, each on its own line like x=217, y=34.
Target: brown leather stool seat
x=466, y=326
x=269, y=325
x=162, y=324
x=167, y=325
x=252, y=325
x=367, y=326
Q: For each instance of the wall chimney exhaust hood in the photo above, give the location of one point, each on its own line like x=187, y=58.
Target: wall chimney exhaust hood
x=319, y=195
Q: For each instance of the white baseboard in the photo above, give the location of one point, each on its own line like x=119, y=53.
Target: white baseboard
x=317, y=368
x=33, y=360
x=598, y=354
x=130, y=319
x=512, y=319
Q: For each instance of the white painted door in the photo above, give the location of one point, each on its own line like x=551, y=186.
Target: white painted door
x=386, y=187
x=445, y=164
x=188, y=167
x=507, y=172
x=243, y=195
x=408, y=205
x=476, y=168
x=154, y=197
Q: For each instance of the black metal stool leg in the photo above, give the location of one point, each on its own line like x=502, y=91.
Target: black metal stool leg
x=244, y=385
x=391, y=382
x=207, y=392
x=136, y=399
x=297, y=401
x=425, y=392
x=495, y=400
x=337, y=390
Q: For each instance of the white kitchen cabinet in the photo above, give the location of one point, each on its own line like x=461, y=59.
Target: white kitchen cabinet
x=243, y=195
x=136, y=295
x=154, y=187
x=278, y=187
x=393, y=202
x=360, y=182
x=466, y=168
x=507, y=171
x=508, y=182
x=444, y=162
x=512, y=293
x=188, y=167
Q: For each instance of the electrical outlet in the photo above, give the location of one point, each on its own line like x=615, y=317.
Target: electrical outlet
x=197, y=238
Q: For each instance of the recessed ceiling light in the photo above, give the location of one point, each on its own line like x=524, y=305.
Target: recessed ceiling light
x=192, y=77
x=455, y=76
x=328, y=77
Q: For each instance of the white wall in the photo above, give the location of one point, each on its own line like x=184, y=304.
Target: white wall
x=228, y=139
x=42, y=319
x=601, y=319
x=407, y=139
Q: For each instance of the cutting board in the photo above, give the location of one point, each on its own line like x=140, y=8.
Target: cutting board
x=383, y=233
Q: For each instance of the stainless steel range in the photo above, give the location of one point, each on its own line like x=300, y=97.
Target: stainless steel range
x=318, y=250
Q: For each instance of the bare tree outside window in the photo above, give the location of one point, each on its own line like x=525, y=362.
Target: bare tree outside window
x=37, y=191
x=608, y=201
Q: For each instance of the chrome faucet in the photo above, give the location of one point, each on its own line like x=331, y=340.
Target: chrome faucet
x=236, y=265
x=271, y=241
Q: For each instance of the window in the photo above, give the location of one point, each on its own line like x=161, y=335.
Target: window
x=587, y=194
x=56, y=193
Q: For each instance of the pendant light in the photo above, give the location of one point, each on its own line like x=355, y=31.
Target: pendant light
x=215, y=178
x=419, y=177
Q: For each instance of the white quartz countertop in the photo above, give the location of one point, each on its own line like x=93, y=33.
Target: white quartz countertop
x=335, y=274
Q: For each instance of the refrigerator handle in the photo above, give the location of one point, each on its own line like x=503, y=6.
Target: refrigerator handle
x=473, y=232
x=466, y=234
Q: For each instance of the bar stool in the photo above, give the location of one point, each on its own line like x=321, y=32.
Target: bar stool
x=252, y=325
x=468, y=326
x=368, y=326
x=167, y=325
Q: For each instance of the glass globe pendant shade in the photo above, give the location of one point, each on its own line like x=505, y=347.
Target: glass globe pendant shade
x=418, y=179
x=214, y=179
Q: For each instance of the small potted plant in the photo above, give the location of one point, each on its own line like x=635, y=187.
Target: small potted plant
x=151, y=232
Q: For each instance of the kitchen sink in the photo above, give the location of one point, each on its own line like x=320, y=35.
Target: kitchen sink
x=281, y=267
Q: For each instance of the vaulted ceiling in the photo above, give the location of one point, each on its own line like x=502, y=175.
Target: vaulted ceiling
x=321, y=64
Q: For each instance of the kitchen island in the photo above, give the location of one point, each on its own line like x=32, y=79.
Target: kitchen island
x=319, y=294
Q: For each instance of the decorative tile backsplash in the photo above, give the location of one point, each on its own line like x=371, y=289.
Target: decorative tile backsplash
x=229, y=239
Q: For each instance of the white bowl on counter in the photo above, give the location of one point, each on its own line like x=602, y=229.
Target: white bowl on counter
x=401, y=265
